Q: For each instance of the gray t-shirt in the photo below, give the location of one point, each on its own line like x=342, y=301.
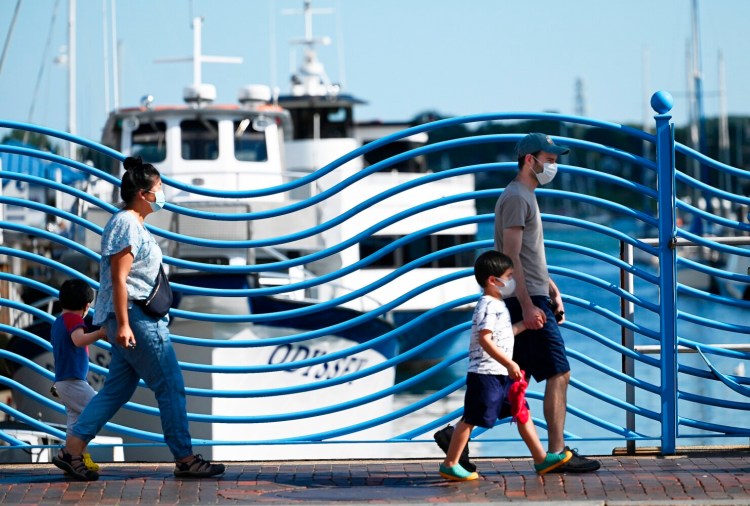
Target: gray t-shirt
x=517, y=207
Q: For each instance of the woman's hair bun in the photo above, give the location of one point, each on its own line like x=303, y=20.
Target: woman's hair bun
x=132, y=162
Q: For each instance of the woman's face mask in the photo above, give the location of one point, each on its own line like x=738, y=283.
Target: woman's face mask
x=159, y=200
x=548, y=172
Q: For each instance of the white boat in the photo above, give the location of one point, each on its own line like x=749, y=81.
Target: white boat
x=325, y=129
x=231, y=148
x=259, y=143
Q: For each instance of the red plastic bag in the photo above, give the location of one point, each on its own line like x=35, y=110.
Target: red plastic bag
x=517, y=398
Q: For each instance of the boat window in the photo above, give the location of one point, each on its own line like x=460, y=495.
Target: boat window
x=417, y=249
x=149, y=141
x=249, y=145
x=200, y=139
x=416, y=164
x=374, y=244
x=330, y=123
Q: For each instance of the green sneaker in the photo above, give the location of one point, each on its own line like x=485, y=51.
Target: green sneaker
x=553, y=461
x=457, y=473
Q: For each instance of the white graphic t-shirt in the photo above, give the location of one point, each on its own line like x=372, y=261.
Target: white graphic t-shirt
x=490, y=314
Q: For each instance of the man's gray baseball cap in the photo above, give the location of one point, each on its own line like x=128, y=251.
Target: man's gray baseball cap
x=535, y=142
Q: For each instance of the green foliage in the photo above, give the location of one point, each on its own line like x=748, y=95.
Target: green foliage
x=34, y=139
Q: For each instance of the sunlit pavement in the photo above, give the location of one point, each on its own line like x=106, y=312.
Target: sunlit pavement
x=705, y=477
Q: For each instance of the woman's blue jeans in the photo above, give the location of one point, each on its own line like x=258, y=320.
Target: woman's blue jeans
x=154, y=360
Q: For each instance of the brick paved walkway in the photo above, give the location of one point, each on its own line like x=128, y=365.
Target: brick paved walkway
x=708, y=478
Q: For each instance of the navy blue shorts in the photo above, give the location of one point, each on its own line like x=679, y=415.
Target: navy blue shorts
x=541, y=352
x=486, y=399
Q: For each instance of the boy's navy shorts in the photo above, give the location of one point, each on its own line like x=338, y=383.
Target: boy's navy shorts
x=540, y=352
x=486, y=399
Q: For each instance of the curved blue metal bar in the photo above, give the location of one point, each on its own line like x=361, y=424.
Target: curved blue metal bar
x=52, y=237
x=609, y=400
x=344, y=244
x=49, y=262
x=712, y=218
x=611, y=344
x=619, y=320
x=604, y=257
x=30, y=204
x=426, y=401
x=710, y=323
x=713, y=271
x=325, y=278
x=713, y=401
x=595, y=227
x=333, y=328
x=317, y=360
x=700, y=294
x=710, y=162
x=52, y=157
x=613, y=373
x=346, y=378
x=699, y=373
x=721, y=429
x=732, y=385
x=724, y=248
x=427, y=127
x=604, y=285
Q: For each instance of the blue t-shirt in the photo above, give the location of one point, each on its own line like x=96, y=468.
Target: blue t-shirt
x=125, y=229
x=71, y=361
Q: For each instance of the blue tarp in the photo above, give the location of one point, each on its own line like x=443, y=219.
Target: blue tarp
x=36, y=167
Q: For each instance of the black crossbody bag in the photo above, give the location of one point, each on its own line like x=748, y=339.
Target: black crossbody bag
x=159, y=301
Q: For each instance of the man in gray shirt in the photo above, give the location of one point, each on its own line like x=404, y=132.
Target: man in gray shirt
x=540, y=350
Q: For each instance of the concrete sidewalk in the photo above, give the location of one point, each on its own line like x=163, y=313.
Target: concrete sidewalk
x=711, y=478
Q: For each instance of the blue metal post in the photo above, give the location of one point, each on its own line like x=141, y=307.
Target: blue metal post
x=662, y=102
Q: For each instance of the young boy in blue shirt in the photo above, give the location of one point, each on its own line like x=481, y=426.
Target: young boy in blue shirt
x=492, y=371
x=70, y=348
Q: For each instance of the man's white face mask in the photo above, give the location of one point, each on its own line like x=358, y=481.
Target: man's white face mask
x=548, y=172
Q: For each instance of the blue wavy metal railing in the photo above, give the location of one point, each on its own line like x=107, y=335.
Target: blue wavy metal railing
x=663, y=311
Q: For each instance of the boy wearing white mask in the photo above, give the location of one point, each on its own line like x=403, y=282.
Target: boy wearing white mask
x=493, y=377
x=537, y=301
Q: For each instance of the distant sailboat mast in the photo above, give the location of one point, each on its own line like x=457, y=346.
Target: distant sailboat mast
x=699, y=116
x=72, y=103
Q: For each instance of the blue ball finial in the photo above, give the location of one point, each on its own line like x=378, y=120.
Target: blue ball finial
x=662, y=102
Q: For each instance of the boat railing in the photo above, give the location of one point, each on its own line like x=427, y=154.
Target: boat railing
x=624, y=295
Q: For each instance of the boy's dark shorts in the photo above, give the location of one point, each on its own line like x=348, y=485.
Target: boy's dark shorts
x=486, y=399
x=541, y=352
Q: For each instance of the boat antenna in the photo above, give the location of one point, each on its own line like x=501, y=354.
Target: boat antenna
x=200, y=92
x=311, y=79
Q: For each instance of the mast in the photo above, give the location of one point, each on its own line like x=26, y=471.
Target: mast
x=698, y=88
x=10, y=34
x=199, y=92
x=723, y=114
x=311, y=78
x=72, y=119
x=115, y=59
x=726, y=179
x=105, y=66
